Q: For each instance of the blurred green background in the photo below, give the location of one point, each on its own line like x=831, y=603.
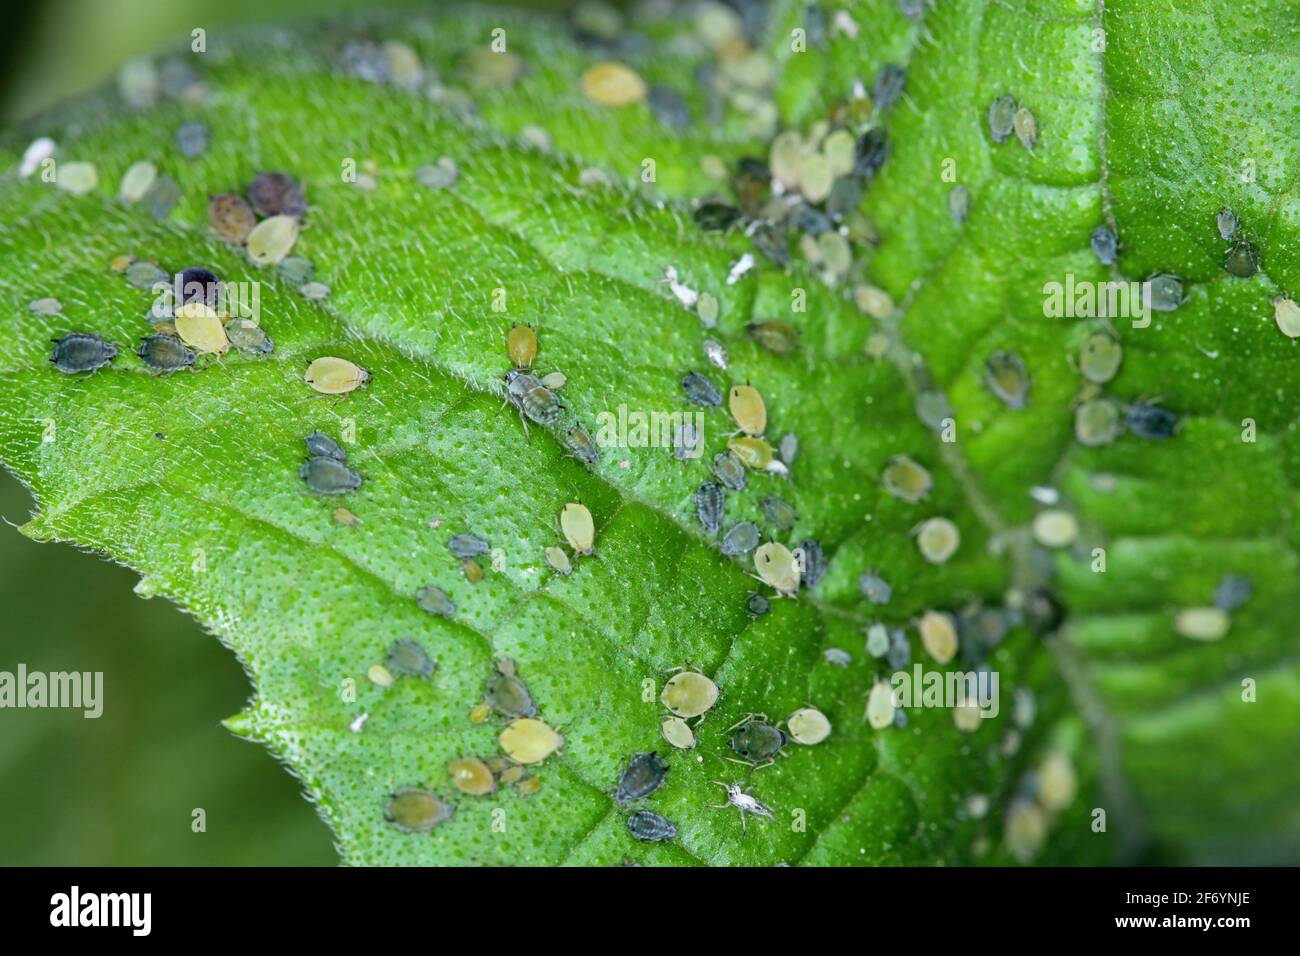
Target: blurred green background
x=121, y=789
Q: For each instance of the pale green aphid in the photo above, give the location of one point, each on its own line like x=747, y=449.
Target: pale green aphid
x=1100, y=357
x=938, y=540
x=136, y=181
x=77, y=178
x=1097, y=422
x=678, y=733
x=413, y=810
x=272, y=239
x=1057, y=782
x=881, y=706
x=903, y=478
x=578, y=527
x=938, y=635
x=1202, y=623
x=808, y=726
x=1055, y=528
x=689, y=694
x=528, y=740
x=558, y=559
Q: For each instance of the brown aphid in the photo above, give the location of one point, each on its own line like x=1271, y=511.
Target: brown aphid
x=276, y=194
x=776, y=336
x=473, y=571
x=231, y=218
x=472, y=776
x=521, y=343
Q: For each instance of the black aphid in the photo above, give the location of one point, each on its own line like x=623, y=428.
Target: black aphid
x=752, y=184
x=812, y=221
x=1242, y=260
x=199, y=285
x=329, y=476
x=81, y=352
x=644, y=774
x=872, y=151
x=165, y=353
x=757, y=740
x=710, y=499
x=756, y=605
x=716, y=216
x=321, y=445
x=1151, y=421
x=649, y=827
x=771, y=242
x=1104, y=245
x=468, y=546
x=701, y=390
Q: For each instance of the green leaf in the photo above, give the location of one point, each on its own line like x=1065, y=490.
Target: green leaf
x=193, y=479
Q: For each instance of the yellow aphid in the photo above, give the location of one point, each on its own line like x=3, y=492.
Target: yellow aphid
x=612, y=84
x=416, y=811
x=678, y=733
x=512, y=774
x=558, y=559
x=521, y=343
x=938, y=635
x=808, y=726
x=272, y=239
x=201, y=328
x=753, y=452
x=578, y=528
x=473, y=571
x=528, y=740
x=777, y=567
x=346, y=518
x=937, y=540
x=380, y=676
x=747, y=409
x=529, y=786
x=472, y=776
x=1057, y=782
x=689, y=694
x=335, y=376
x=1202, y=623
x=881, y=706
x=121, y=263
x=480, y=712
x=1055, y=528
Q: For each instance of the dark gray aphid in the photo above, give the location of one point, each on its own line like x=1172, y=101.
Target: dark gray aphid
x=1227, y=222
x=364, y=59
x=845, y=195
x=644, y=774
x=145, y=275
x=1242, y=260
x=716, y=216
x=811, y=220
x=888, y=86
x=752, y=184
x=81, y=352
x=1164, y=292
x=814, y=563
x=582, y=445
x=1151, y=421
x=329, y=476
x=408, y=657
x=165, y=353
x=1104, y=245
x=1233, y=591
x=872, y=151
x=1043, y=611
x=912, y=9
x=192, y=139
x=1002, y=118
x=740, y=539
x=321, y=445
x=508, y=694
x=900, y=718
x=162, y=196
x=875, y=588
x=701, y=390
x=899, y=654
x=757, y=740
x=778, y=511
x=650, y=827
x=276, y=194
x=814, y=23
x=959, y=203
x=248, y=336
x=771, y=242
x=435, y=601
x=468, y=546
x=669, y=107
x=710, y=499
x=1007, y=378
x=757, y=605
x=532, y=398
x=729, y=470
